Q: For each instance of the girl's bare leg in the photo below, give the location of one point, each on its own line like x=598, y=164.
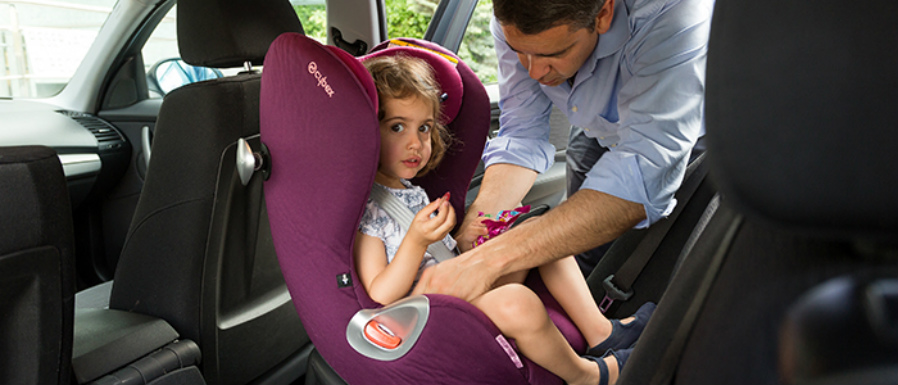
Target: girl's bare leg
x=565, y=281
x=519, y=314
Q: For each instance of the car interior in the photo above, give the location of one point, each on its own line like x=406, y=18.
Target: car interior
x=201, y=232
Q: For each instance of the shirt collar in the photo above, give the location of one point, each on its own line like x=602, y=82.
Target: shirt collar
x=610, y=42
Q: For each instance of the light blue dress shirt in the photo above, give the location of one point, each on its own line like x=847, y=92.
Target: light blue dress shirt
x=640, y=95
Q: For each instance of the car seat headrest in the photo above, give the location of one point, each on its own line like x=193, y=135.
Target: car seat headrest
x=443, y=64
x=801, y=114
x=223, y=34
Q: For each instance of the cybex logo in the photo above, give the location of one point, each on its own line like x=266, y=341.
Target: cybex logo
x=322, y=80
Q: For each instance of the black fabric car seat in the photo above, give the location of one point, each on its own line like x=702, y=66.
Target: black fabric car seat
x=37, y=288
x=801, y=124
x=198, y=253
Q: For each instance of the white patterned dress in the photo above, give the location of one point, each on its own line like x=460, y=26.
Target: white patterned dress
x=377, y=223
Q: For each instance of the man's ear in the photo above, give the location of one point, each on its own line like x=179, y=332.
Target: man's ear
x=603, y=19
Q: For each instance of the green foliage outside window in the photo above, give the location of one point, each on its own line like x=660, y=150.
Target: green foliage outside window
x=477, y=47
x=409, y=18
x=314, y=18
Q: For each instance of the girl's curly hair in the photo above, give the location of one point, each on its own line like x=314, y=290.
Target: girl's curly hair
x=403, y=76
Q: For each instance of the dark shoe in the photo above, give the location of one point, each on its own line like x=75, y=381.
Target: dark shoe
x=620, y=355
x=624, y=335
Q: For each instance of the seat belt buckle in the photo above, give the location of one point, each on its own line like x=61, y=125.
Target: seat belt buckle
x=605, y=304
x=612, y=293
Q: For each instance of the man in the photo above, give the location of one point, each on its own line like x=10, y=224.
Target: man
x=629, y=75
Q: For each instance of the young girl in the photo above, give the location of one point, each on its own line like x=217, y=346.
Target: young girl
x=390, y=260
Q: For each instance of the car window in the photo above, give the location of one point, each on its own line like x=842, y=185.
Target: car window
x=476, y=47
x=160, y=47
x=409, y=18
x=42, y=43
x=313, y=16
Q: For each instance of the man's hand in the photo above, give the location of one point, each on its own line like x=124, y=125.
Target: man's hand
x=462, y=277
x=503, y=188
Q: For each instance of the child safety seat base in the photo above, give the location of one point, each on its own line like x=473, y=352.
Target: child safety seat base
x=318, y=113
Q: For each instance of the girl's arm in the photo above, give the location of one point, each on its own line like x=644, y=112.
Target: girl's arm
x=386, y=283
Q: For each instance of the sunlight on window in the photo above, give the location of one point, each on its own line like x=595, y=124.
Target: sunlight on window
x=41, y=45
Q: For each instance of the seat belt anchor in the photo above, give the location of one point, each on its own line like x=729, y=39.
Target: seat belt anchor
x=612, y=293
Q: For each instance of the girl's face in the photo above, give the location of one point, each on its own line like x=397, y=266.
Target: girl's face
x=405, y=145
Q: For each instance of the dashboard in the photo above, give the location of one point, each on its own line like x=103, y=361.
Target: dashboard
x=90, y=149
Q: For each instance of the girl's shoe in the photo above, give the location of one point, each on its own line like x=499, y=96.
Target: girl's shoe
x=620, y=356
x=624, y=335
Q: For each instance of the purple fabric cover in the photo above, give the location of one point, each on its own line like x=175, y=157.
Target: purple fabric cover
x=318, y=119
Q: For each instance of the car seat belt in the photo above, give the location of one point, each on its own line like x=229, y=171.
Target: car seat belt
x=403, y=215
x=619, y=286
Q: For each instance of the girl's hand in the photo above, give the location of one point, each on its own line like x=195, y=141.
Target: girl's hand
x=425, y=229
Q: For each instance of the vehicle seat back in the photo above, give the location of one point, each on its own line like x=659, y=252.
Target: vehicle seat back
x=324, y=141
x=36, y=268
x=801, y=133
x=199, y=252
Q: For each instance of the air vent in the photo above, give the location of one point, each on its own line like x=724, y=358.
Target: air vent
x=108, y=137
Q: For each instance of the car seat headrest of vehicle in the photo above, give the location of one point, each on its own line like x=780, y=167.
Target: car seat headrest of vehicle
x=799, y=133
x=443, y=64
x=225, y=34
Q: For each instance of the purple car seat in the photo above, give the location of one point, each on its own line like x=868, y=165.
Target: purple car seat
x=318, y=118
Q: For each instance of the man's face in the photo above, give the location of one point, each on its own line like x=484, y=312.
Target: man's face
x=554, y=55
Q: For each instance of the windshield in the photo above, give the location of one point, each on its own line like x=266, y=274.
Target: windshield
x=43, y=41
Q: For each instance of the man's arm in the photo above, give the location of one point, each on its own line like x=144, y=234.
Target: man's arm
x=503, y=187
x=587, y=219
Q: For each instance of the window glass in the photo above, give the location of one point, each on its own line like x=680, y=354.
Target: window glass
x=476, y=48
x=161, y=46
x=42, y=43
x=313, y=16
x=409, y=18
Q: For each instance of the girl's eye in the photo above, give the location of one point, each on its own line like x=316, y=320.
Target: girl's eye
x=398, y=127
x=424, y=129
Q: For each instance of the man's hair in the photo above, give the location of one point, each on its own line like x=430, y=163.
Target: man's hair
x=534, y=16
x=402, y=76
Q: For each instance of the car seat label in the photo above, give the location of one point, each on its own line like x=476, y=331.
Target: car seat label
x=322, y=80
x=344, y=280
x=506, y=346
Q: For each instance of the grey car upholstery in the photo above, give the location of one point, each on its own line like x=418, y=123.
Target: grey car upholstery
x=36, y=268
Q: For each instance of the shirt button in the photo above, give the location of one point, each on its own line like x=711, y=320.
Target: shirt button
x=574, y=108
x=601, y=138
x=586, y=129
x=613, y=145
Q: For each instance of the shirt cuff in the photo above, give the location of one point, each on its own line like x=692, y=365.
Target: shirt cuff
x=618, y=174
x=534, y=154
